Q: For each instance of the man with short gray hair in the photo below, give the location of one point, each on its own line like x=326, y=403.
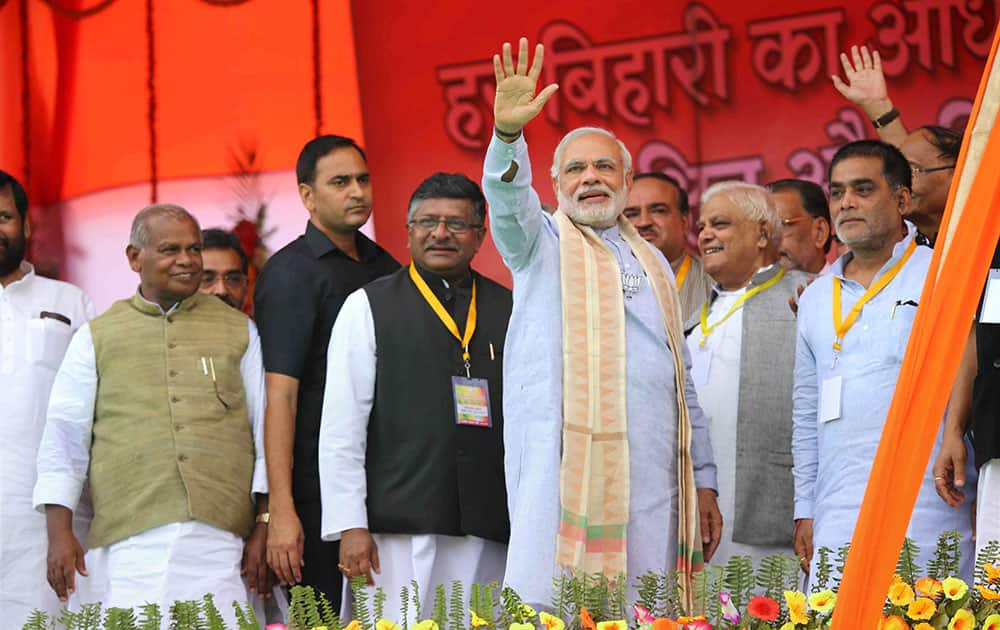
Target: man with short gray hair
x=608, y=461
x=170, y=442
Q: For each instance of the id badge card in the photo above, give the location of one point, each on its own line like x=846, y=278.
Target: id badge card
x=829, y=399
x=990, y=313
x=472, y=401
x=701, y=365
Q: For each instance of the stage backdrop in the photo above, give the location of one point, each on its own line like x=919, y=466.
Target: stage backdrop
x=704, y=91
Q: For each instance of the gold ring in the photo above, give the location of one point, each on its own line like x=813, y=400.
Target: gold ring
x=803, y=559
x=343, y=569
x=938, y=478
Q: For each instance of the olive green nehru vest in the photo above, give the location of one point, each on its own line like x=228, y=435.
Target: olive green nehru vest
x=169, y=445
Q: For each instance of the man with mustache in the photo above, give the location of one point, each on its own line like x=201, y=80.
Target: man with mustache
x=853, y=327
x=296, y=300
x=805, y=225
x=224, y=273
x=37, y=318
x=411, y=440
x=159, y=406
x=608, y=461
x=658, y=208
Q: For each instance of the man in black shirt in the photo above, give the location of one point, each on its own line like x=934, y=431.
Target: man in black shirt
x=296, y=300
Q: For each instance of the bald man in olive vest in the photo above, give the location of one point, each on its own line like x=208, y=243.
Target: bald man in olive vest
x=158, y=404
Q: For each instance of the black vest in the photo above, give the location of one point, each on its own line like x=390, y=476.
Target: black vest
x=986, y=387
x=427, y=474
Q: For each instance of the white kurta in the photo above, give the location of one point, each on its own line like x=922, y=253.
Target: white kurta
x=528, y=240
x=347, y=403
x=31, y=349
x=716, y=370
x=124, y=573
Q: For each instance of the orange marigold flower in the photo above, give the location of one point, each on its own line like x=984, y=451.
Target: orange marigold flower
x=586, y=620
x=992, y=622
x=987, y=594
x=893, y=623
x=992, y=573
x=929, y=587
x=921, y=609
x=954, y=588
x=684, y=620
x=963, y=620
x=900, y=594
x=662, y=623
x=763, y=608
x=619, y=624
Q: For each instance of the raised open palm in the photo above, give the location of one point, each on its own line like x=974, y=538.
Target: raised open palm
x=865, y=79
x=516, y=102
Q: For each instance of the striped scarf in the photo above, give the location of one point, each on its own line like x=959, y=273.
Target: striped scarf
x=594, y=473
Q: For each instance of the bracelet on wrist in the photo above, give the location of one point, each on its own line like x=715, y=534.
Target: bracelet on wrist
x=505, y=136
x=885, y=118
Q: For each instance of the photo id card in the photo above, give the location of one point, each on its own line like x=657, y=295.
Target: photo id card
x=829, y=398
x=990, y=313
x=701, y=365
x=472, y=401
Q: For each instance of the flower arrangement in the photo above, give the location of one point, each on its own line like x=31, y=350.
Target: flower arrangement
x=730, y=597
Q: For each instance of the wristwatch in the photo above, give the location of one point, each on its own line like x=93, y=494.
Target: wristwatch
x=264, y=517
x=886, y=118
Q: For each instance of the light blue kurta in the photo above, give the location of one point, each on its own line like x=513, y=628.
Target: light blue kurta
x=833, y=459
x=528, y=240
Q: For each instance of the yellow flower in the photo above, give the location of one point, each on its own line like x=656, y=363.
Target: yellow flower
x=893, y=623
x=796, y=602
x=319, y=627
x=522, y=626
x=900, y=594
x=923, y=625
x=992, y=573
x=477, y=621
x=551, y=622
x=922, y=608
x=954, y=588
x=354, y=625
x=788, y=626
x=385, y=624
x=987, y=594
x=963, y=619
x=426, y=624
x=929, y=587
x=621, y=624
x=992, y=622
x=822, y=601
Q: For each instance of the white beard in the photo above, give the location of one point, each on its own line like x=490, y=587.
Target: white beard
x=594, y=215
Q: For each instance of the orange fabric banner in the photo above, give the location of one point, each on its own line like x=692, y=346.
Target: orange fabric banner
x=947, y=308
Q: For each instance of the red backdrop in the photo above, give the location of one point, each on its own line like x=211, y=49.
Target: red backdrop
x=705, y=91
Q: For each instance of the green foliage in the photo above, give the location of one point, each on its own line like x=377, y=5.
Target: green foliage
x=946, y=556
x=776, y=574
x=212, y=617
x=38, y=621
x=489, y=604
x=120, y=619
x=510, y=607
x=246, y=618
x=824, y=569
x=841, y=562
x=415, y=598
x=456, y=607
x=738, y=579
x=359, y=594
x=186, y=616
x=440, y=614
x=907, y=566
x=404, y=607
x=303, y=609
x=150, y=617
x=379, y=603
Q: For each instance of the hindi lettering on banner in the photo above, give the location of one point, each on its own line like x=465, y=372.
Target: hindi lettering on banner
x=812, y=165
x=932, y=22
x=468, y=89
x=661, y=156
x=787, y=50
x=624, y=78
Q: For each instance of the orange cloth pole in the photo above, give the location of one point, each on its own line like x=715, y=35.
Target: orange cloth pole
x=947, y=308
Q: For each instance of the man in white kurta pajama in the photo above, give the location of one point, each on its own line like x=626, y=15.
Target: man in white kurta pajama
x=528, y=239
x=37, y=319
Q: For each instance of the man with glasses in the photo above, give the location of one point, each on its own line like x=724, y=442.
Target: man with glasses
x=805, y=223
x=411, y=440
x=224, y=267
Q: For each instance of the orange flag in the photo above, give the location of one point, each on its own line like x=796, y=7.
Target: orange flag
x=947, y=308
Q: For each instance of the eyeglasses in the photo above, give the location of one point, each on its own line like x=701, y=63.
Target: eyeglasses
x=232, y=279
x=454, y=224
x=794, y=220
x=929, y=169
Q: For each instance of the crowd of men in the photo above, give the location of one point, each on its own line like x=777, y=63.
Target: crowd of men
x=629, y=407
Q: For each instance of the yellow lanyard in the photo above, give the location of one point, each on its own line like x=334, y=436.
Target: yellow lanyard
x=682, y=273
x=840, y=327
x=707, y=330
x=446, y=319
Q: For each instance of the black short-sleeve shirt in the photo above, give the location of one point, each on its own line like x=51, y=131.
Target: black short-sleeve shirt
x=986, y=388
x=296, y=299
